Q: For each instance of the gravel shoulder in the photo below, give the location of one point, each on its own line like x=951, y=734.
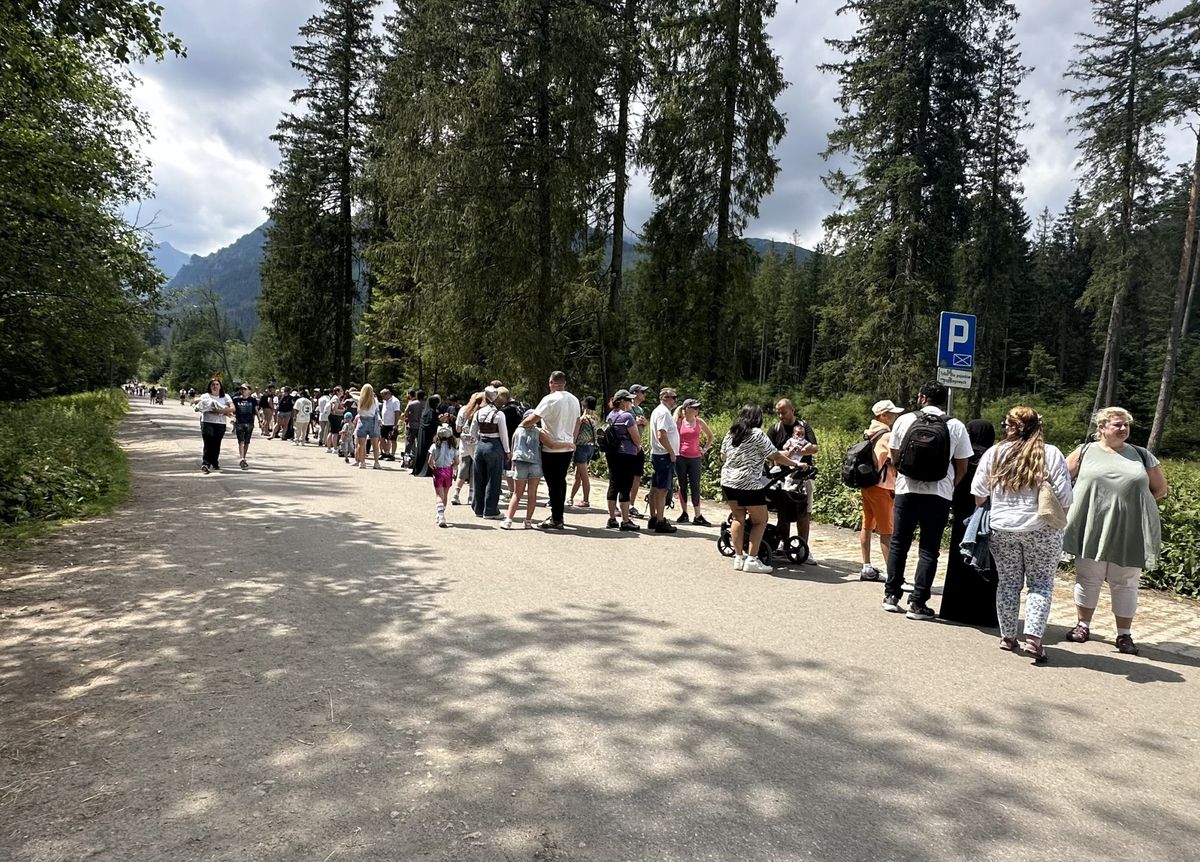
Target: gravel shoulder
x=293, y=662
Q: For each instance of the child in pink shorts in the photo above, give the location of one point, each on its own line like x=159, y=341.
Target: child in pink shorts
x=443, y=462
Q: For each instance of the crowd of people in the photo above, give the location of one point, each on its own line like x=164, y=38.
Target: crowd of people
x=1014, y=506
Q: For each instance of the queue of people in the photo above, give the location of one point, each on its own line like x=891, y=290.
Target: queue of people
x=1021, y=497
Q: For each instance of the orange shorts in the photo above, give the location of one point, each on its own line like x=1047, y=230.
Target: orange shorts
x=877, y=510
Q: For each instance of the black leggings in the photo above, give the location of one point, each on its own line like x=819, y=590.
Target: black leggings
x=621, y=470
x=212, y=433
x=688, y=472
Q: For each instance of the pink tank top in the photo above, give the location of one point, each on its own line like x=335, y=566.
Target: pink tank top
x=689, y=440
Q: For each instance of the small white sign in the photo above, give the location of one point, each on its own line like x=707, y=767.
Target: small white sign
x=955, y=378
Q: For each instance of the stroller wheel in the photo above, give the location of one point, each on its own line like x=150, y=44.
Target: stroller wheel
x=725, y=543
x=765, y=553
x=796, y=550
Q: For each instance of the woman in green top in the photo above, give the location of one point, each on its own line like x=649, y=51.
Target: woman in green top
x=1113, y=528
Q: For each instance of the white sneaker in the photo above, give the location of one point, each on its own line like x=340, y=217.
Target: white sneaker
x=529, y=525
x=811, y=561
x=738, y=563
x=754, y=564
x=506, y=524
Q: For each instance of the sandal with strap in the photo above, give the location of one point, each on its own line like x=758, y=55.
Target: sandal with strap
x=1009, y=644
x=1039, y=655
x=1079, y=634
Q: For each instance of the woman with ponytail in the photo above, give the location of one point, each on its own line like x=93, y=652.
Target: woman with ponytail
x=1027, y=540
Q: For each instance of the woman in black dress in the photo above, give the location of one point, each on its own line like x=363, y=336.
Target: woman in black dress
x=969, y=596
x=429, y=426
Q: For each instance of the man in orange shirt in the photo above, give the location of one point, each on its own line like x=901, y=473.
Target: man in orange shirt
x=878, y=499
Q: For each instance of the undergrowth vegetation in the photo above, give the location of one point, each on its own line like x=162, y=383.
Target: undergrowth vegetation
x=59, y=459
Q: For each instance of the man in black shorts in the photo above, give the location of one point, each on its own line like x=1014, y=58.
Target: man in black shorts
x=266, y=411
x=389, y=414
x=244, y=407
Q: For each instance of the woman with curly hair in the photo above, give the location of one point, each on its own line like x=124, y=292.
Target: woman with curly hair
x=1027, y=540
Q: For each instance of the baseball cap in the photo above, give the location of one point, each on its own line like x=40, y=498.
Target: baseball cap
x=622, y=395
x=445, y=432
x=690, y=402
x=885, y=406
x=637, y=387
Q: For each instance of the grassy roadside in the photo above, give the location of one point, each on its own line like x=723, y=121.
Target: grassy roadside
x=59, y=460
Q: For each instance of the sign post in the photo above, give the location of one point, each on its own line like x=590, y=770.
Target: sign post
x=956, y=352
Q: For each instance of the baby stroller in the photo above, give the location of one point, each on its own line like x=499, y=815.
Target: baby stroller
x=779, y=491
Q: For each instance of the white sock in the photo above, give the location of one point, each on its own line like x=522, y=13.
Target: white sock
x=1124, y=632
x=1085, y=625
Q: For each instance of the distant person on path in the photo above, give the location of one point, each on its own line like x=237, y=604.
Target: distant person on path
x=1025, y=546
x=585, y=451
x=745, y=450
x=283, y=413
x=490, y=428
x=427, y=429
x=443, y=460
x=335, y=411
x=930, y=452
x=244, y=407
x=412, y=422
x=214, y=407
x=695, y=439
x=969, y=595
x=266, y=411
x=462, y=425
x=559, y=414
x=664, y=449
x=782, y=434
x=304, y=410
x=513, y=412
x=389, y=415
x=368, y=427
x=527, y=455
x=324, y=408
x=623, y=460
x=877, y=500
x=1114, y=529
x=638, y=391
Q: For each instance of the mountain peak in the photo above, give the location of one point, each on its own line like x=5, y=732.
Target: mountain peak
x=169, y=259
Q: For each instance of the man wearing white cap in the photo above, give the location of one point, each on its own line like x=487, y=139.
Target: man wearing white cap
x=877, y=499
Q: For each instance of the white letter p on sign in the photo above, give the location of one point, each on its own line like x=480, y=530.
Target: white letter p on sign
x=958, y=334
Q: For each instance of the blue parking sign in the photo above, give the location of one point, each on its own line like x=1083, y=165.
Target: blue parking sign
x=956, y=341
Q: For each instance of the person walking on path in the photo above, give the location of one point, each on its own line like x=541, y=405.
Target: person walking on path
x=622, y=460
x=334, y=411
x=368, y=427
x=527, y=461
x=244, y=406
x=585, y=451
x=930, y=452
x=745, y=450
x=969, y=595
x=1026, y=542
x=695, y=439
x=214, y=407
x=664, y=449
x=559, y=414
x=638, y=392
x=389, y=415
x=266, y=411
x=462, y=425
x=877, y=500
x=490, y=428
x=443, y=460
x=1114, y=529
x=430, y=421
x=303, y=410
x=412, y=423
x=780, y=434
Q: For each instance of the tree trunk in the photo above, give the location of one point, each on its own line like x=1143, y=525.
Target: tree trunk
x=543, y=199
x=1183, y=292
x=621, y=155
x=345, y=287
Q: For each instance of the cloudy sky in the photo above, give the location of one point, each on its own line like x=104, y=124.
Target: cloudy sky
x=214, y=111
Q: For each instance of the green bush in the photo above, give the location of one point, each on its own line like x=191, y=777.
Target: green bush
x=1179, y=565
x=59, y=459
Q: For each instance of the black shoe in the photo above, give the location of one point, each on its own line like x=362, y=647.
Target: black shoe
x=1126, y=645
x=683, y=519
x=652, y=524
x=612, y=524
x=629, y=527
x=203, y=468
x=664, y=527
x=920, y=612
x=701, y=521
x=891, y=604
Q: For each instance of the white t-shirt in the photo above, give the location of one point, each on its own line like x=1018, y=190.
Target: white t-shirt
x=324, y=403
x=559, y=411
x=303, y=408
x=662, y=420
x=388, y=410
x=1018, y=512
x=960, y=447
x=209, y=403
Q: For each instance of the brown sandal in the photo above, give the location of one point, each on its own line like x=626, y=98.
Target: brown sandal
x=1009, y=644
x=1079, y=634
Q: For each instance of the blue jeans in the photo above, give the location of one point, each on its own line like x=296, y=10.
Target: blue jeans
x=930, y=513
x=489, y=467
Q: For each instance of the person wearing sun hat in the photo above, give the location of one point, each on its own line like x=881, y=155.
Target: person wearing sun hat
x=877, y=500
x=695, y=438
x=638, y=393
x=623, y=460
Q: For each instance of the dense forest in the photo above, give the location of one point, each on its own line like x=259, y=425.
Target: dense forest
x=449, y=184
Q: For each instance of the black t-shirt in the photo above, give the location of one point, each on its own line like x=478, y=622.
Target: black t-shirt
x=781, y=433
x=512, y=415
x=285, y=404
x=265, y=402
x=243, y=409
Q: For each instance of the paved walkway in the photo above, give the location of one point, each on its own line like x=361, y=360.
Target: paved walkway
x=294, y=663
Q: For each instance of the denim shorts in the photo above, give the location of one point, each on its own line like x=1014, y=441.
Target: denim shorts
x=584, y=452
x=664, y=472
x=368, y=426
x=526, y=471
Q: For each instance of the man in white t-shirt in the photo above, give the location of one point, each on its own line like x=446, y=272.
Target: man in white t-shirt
x=559, y=414
x=919, y=445
x=664, y=449
x=389, y=415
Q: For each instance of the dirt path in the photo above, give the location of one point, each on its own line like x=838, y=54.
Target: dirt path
x=293, y=663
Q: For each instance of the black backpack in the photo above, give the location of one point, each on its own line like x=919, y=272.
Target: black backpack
x=607, y=439
x=858, y=469
x=925, y=453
